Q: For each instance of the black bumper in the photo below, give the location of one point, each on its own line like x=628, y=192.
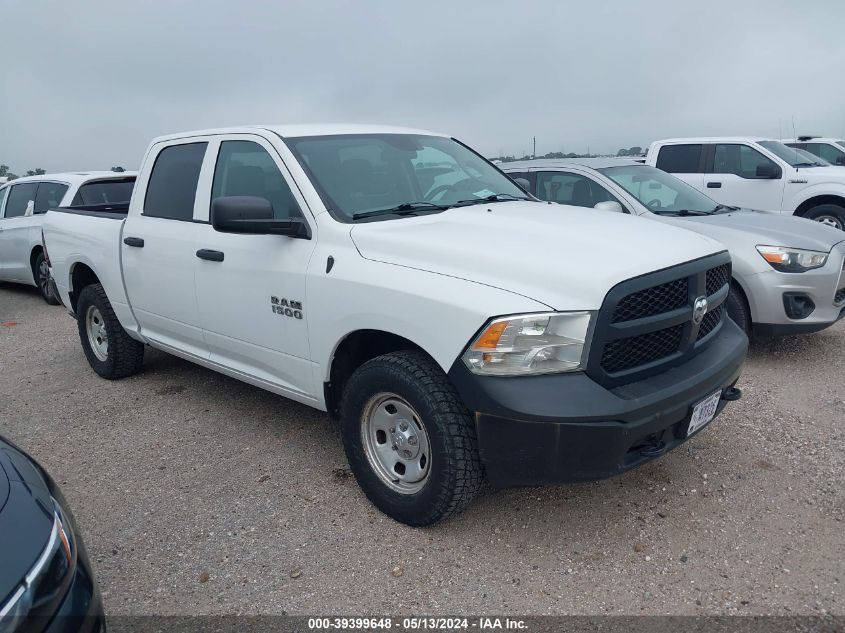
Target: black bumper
x=566, y=427
x=81, y=611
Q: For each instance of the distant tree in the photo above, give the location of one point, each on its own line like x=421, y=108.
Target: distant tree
x=35, y=172
x=622, y=152
x=636, y=150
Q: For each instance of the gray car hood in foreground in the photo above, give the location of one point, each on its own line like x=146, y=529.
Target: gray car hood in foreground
x=752, y=228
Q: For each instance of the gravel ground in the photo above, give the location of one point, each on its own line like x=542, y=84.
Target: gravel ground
x=199, y=494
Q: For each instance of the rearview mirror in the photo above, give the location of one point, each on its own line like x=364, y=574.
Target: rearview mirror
x=768, y=171
x=610, y=205
x=254, y=215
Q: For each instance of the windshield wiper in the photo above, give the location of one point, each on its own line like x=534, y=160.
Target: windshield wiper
x=725, y=207
x=808, y=164
x=683, y=212
x=406, y=208
x=496, y=197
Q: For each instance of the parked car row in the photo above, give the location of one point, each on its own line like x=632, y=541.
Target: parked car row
x=459, y=325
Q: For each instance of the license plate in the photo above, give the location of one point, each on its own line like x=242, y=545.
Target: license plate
x=704, y=412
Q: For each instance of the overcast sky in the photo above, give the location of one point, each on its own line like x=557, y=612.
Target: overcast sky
x=87, y=84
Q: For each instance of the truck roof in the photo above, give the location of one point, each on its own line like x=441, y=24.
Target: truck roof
x=592, y=163
x=76, y=177
x=311, y=129
x=715, y=139
x=812, y=139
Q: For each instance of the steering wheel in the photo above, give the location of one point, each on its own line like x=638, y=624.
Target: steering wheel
x=460, y=185
x=654, y=204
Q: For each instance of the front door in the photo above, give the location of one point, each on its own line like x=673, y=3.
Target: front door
x=15, y=227
x=252, y=297
x=734, y=179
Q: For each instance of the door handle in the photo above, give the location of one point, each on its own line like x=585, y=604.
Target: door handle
x=714, y=185
x=212, y=256
x=134, y=241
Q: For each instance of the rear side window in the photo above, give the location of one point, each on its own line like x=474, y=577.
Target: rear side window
x=19, y=198
x=173, y=182
x=104, y=192
x=680, y=159
x=245, y=168
x=49, y=195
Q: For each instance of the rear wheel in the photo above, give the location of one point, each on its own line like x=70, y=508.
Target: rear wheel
x=41, y=274
x=110, y=351
x=409, y=439
x=829, y=214
x=738, y=309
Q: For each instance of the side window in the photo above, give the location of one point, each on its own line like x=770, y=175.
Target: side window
x=3, y=193
x=679, y=159
x=245, y=168
x=568, y=188
x=19, y=198
x=741, y=160
x=513, y=175
x=831, y=154
x=115, y=191
x=173, y=182
x=49, y=196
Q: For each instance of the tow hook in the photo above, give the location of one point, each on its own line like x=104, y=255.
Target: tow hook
x=656, y=446
x=731, y=393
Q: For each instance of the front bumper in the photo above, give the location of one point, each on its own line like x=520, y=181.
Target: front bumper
x=81, y=610
x=765, y=292
x=566, y=427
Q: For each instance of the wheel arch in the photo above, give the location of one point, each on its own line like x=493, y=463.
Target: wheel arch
x=352, y=351
x=815, y=201
x=81, y=275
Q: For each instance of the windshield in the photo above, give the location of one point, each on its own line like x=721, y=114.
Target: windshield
x=662, y=193
x=841, y=143
x=791, y=155
x=359, y=175
x=809, y=157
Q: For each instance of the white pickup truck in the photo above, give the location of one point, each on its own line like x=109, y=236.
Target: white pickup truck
x=756, y=173
x=457, y=327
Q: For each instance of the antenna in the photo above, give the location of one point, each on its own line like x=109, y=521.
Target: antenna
x=795, y=136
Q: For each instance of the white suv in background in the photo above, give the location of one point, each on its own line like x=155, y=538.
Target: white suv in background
x=755, y=173
x=830, y=149
x=23, y=203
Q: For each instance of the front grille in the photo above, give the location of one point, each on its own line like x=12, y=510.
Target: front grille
x=623, y=354
x=717, y=278
x=651, y=301
x=710, y=322
x=645, y=325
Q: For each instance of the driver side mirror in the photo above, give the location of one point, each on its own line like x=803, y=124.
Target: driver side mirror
x=768, y=171
x=253, y=215
x=609, y=205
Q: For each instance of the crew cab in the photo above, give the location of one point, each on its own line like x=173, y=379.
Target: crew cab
x=23, y=203
x=755, y=173
x=788, y=273
x=831, y=150
x=456, y=327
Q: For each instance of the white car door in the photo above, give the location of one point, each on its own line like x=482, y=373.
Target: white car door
x=158, y=252
x=741, y=176
x=251, y=288
x=14, y=233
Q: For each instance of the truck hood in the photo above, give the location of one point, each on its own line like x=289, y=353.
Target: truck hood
x=564, y=257
x=762, y=228
x=834, y=174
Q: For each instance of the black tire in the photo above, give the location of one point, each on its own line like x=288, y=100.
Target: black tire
x=738, y=309
x=124, y=355
x=455, y=473
x=829, y=214
x=42, y=279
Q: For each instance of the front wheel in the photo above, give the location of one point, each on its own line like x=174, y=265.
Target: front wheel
x=830, y=214
x=41, y=273
x=409, y=439
x=110, y=351
x=737, y=309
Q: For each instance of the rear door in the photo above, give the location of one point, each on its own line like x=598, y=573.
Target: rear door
x=157, y=250
x=733, y=178
x=251, y=294
x=685, y=161
x=15, y=227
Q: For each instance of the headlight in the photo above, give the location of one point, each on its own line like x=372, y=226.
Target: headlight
x=531, y=344
x=792, y=260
